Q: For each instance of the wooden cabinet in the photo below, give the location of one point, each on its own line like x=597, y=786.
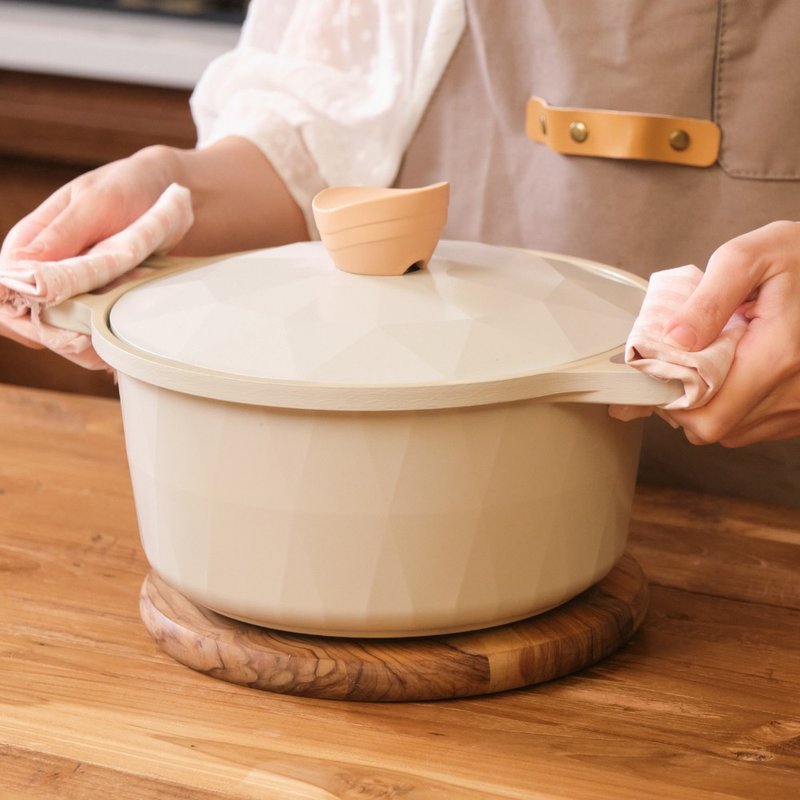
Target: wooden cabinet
x=52, y=129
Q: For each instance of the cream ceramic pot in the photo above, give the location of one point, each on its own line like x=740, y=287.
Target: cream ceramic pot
x=351, y=455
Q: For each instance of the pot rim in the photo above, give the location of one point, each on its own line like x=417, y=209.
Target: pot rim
x=600, y=378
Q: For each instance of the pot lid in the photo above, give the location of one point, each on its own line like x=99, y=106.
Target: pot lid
x=285, y=319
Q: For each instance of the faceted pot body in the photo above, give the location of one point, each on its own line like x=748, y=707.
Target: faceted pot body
x=371, y=524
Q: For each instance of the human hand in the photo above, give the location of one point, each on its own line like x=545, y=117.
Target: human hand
x=758, y=274
x=107, y=221
x=239, y=200
x=90, y=208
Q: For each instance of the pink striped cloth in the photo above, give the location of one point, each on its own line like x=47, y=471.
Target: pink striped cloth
x=28, y=286
x=701, y=372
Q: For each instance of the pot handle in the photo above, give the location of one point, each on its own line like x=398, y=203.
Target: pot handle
x=76, y=313
x=607, y=379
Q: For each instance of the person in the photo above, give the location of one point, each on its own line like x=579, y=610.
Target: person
x=321, y=93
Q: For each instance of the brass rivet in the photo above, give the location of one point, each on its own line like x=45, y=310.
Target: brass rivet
x=679, y=140
x=578, y=131
x=543, y=125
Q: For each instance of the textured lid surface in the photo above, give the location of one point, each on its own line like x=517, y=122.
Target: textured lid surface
x=477, y=313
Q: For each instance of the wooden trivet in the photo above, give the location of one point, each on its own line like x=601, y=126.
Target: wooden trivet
x=559, y=642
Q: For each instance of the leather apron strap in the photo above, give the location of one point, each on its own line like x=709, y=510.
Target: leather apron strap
x=617, y=134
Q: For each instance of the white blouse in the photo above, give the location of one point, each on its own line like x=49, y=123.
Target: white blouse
x=330, y=90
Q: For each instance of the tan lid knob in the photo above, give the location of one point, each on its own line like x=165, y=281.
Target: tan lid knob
x=377, y=231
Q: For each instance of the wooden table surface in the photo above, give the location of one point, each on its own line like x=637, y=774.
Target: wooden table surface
x=704, y=702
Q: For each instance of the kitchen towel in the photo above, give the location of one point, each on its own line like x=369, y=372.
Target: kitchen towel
x=701, y=372
x=28, y=286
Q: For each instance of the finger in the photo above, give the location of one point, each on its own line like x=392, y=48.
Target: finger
x=71, y=231
x=19, y=241
x=733, y=272
x=747, y=393
x=76, y=217
x=776, y=416
x=784, y=425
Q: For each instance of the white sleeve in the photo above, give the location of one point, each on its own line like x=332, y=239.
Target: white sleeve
x=330, y=90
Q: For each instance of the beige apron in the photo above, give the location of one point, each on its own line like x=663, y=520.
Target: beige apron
x=730, y=61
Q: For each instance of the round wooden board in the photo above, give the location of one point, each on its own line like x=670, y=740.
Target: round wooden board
x=559, y=642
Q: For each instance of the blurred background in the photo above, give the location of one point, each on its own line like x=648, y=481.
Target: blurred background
x=224, y=10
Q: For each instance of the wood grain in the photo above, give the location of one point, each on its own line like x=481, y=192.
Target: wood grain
x=88, y=122
x=701, y=704
x=571, y=637
x=39, y=777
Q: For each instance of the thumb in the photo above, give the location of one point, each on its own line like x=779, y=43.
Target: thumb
x=732, y=274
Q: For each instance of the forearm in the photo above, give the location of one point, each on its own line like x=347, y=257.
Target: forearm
x=239, y=200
